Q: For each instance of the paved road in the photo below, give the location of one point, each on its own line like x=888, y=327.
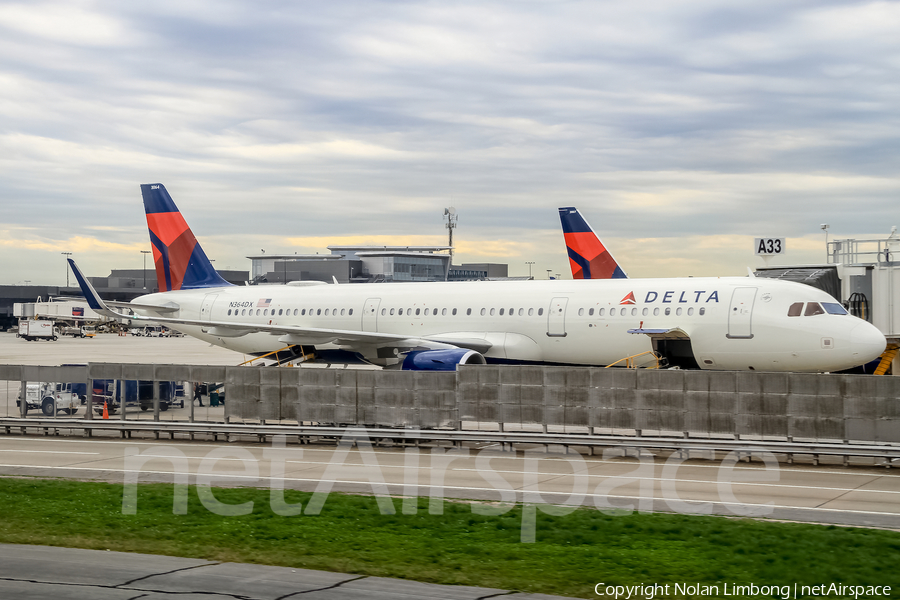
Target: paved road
x=44, y=572
x=865, y=496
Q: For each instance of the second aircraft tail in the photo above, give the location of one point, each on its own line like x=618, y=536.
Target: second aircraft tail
x=179, y=259
x=588, y=257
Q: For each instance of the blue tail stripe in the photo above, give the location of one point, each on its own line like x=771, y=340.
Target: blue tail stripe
x=200, y=274
x=164, y=252
x=572, y=221
x=157, y=198
x=584, y=263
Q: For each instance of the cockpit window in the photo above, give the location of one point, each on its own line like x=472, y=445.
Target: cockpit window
x=833, y=308
x=813, y=308
x=796, y=309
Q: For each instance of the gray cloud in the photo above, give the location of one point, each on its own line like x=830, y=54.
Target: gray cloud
x=659, y=119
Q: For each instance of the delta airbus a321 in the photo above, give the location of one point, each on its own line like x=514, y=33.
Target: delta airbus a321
x=735, y=323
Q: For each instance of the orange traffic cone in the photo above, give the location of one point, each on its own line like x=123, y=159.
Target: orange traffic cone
x=105, y=411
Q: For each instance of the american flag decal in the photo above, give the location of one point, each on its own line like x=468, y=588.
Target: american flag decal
x=263, y=302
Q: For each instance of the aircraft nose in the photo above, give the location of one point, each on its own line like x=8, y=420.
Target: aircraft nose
x=866, y=342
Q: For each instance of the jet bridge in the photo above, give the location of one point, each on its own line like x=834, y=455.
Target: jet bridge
x=863, y=274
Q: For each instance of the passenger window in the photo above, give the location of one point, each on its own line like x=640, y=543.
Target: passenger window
x=645, y=311
x=633, y=312
x=796, y=309
x=812, y=309
x=678, y=311
x=468, y=311
x=392, y=312
x=601, y=311
x=454, y=312
x=482, y=312
x=444, y=312
x=501, y=312
x=512, y=311
x=229, y=312
x=257, y=312
x=690, y=311
x=668, y=311
x=344, y=310
x=702, y=310
x=612, y=312
x=540, y=311
x=303, y=312
x=243, y=311
x=656, y=312
x=591, y=312
x=580, y=312
x=326, y=312
x=266, y=311
x=530, y=312
x=318, y=311
x=350, y=312
x=492, y=312
x=521, y=312
x=417, y=311
x=295, y=312
x=400, y=312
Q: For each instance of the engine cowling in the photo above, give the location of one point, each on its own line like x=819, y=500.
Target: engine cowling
x=441, y=360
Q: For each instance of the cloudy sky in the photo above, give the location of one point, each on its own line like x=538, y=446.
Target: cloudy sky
x=680, y=129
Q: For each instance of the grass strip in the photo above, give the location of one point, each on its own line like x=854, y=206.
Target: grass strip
x=571, y=555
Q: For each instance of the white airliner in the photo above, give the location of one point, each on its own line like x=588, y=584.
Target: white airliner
x=733, y=323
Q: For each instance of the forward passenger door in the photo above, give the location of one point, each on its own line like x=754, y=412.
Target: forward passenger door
x=740, y=313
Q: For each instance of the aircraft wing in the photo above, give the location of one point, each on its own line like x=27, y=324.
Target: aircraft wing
x=290, y=334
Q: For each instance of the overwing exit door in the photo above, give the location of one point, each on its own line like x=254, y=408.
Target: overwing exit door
x=556, y=317
x=370, y=315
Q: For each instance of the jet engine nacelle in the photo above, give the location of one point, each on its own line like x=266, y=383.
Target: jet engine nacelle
x=441, y=360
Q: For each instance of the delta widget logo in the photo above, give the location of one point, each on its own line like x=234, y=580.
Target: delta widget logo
x=629, y=299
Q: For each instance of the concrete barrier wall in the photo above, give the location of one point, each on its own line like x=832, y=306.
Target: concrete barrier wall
x=774, y=405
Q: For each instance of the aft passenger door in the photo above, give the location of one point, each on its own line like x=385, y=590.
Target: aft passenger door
x=556, y=317
x=370, y=315
x=740, y=313
x=206, y=307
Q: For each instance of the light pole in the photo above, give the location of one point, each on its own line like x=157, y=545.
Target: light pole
x=529, y=263
x=824, y=227
x=67, y=255
x=145, y=253
x=548, y=273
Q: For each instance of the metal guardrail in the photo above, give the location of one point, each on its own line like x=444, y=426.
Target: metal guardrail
x=890, y=454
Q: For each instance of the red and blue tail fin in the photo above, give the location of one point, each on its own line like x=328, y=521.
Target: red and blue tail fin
x=588, y=257
x=180, y=261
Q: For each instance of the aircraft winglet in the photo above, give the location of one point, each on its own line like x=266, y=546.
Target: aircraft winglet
x=90, y=294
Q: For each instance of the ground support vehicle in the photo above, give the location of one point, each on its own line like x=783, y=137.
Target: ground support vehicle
x=83, y=331
x=52, y=398
x=138, y=394
x=30, y=330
